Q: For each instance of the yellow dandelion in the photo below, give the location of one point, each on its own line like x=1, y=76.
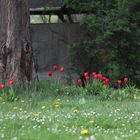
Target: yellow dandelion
x=36, y=115
x=15, y=108
x=75, y=111
x=84, y=132
x=43, y=107
x=57, y=105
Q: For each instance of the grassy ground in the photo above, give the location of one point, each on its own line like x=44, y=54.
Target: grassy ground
x=63, y=118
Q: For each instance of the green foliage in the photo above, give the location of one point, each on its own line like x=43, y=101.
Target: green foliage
x=94, y=88
x=89, y=6
x=114, y=40
x=8, y=94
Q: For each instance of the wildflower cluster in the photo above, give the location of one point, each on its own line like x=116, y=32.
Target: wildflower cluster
x=92, y=84
x=7, y=90
x=100, y=77
x=55, y=68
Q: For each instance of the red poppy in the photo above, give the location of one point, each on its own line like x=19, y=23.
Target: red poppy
x=106, y=81
x=104, y=78
x=62, y=69
x=11, y=82
x=50, y=73
x=125, y=80
x=98, y=76
x=119, y=82
x=87, y=78
x=2, y=86
x=55, y=67
x=86, y=74
x=93, y=73
x=79, y=81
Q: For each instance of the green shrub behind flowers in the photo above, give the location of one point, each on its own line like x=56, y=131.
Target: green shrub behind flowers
x=94, y=84
x=99, y=87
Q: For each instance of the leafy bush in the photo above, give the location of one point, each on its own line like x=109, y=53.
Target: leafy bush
x=114, y=45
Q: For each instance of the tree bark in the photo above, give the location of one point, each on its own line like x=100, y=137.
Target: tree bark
x=3, y=26
x=19, y=53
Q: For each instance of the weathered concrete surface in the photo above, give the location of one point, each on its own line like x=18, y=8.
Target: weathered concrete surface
x=50, y=43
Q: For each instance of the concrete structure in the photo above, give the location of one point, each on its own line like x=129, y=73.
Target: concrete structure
x=50, y=43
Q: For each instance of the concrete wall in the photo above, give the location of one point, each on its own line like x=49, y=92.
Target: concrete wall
x=50, y=43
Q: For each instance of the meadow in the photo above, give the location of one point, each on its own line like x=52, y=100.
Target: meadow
x=54, y=110
x=69, y=118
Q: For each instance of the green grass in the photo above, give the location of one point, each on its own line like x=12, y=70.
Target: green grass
x=63, y=118
x=54, y=111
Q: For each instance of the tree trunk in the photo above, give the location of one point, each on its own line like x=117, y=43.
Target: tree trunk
x=19, y=63
x=3, y=26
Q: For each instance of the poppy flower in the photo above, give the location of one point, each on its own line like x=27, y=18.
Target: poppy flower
x=86, y=74
x=2, y=86
x=96, y=76
x=55, y=67
x=50, y=73
x=125, y=80
x=79, y=81
x=62, y=69
x=106, y=81
x=93, y=73
x=99, y=76
x=11, y=82
x=119, y=82
x=87, y=78
x=104, y=78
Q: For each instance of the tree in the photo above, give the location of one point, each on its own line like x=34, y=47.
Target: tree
x=114, y=44
x=17, y=53
x=3, y=26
